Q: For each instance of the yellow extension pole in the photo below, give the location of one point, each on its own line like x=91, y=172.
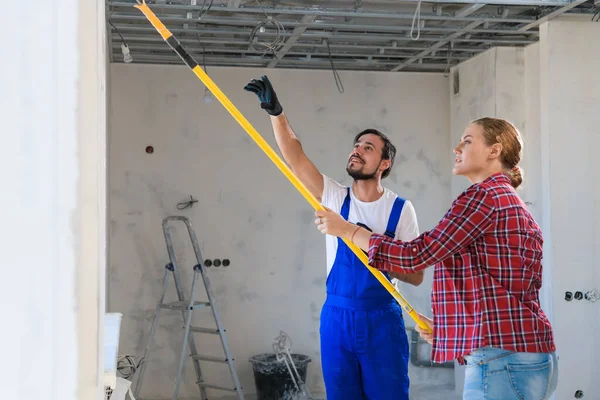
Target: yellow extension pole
x=208, y=82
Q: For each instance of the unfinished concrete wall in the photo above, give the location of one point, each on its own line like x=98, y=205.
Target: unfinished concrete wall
x=534, y=185
x=247, y=211
x=570, y=117
x=472, y=95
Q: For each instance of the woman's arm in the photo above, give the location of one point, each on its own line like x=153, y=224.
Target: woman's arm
x=333, y=224
x=468, y=218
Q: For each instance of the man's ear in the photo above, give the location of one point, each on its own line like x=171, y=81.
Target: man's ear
x=385, y=164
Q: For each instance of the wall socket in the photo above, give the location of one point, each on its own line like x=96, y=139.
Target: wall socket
x=591, y=295
x=217, y=262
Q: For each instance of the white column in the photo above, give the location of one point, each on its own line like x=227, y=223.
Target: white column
x=570, y=121
x=52, y=124
x=90, y=223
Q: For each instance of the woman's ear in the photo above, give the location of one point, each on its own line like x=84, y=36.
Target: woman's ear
x=495, y=150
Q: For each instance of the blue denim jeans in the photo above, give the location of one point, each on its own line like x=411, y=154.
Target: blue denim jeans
x=497, y=374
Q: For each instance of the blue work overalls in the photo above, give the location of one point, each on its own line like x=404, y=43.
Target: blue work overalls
x=364, y=346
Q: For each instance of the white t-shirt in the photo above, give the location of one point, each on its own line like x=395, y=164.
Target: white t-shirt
x=374, y=214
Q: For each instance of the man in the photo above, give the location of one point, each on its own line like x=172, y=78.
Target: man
x=364, y=346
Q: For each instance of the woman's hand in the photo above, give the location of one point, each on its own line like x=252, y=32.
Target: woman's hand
x=331, y=223
x=426, y=335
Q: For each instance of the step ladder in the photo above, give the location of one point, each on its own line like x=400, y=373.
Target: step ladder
x=186, y=307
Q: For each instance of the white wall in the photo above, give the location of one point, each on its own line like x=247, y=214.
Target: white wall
x=53, y=186
x=535, y=180
x=247, y=211
x=570, y=117
x=490, y=84
x=476, y=97
x=532, y=164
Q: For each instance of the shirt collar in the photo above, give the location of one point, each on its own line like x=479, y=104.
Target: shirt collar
x=499, y=177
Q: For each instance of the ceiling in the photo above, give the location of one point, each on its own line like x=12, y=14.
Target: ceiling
x=374, y=35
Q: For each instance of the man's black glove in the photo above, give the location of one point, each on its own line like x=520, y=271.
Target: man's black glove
x=264, y=90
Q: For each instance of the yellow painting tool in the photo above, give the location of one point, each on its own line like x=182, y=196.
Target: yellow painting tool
x=235, y=113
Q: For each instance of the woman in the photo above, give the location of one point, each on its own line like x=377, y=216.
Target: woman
x=487, y=252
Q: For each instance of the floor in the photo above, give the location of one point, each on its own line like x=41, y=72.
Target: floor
x=421, y=392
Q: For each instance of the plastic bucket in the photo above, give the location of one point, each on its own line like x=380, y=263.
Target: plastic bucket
x=272, y=378
x=112, y=329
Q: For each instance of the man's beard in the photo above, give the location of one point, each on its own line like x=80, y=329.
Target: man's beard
x=359, y=175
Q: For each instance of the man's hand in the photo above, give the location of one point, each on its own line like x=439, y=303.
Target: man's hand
x=264, y=90
x=414, y=279
x=427, y=336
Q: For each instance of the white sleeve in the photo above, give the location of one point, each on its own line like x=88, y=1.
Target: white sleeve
x=408, y=227
x=333, y=194
x=407, y=230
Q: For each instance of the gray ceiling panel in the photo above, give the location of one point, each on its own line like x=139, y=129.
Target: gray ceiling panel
x=377, y=35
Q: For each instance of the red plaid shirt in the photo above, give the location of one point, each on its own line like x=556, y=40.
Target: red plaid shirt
x=487, y=252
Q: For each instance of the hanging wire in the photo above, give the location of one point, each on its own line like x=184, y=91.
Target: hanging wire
x=416, y=17
x=447, y=70
x=203, y=53
x=207, y=93
x=206, y=11
x=265, y=47
x=113, y=25
x=202, y=15
x=596, y=13
x=336, y=76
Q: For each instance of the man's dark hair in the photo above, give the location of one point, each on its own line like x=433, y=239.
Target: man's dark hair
x=388, y=152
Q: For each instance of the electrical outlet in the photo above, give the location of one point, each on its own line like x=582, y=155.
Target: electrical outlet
x=217, y=262
x=568, y=296
x=592, y=295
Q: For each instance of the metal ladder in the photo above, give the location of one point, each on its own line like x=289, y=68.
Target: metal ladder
x=186, y=307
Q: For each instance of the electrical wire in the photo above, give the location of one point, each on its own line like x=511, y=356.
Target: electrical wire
x=206, y=11
x=117, y=29
x=203, y=54
x=447, y=70
x=204, y=63
x=124, y=46
x=207, y=93
x=272, y=46
x=126, y=365
x=186, y=204
x=336, y=76
x=416, y=17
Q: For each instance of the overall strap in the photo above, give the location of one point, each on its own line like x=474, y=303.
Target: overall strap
x=346, y=206
x=394, y=217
